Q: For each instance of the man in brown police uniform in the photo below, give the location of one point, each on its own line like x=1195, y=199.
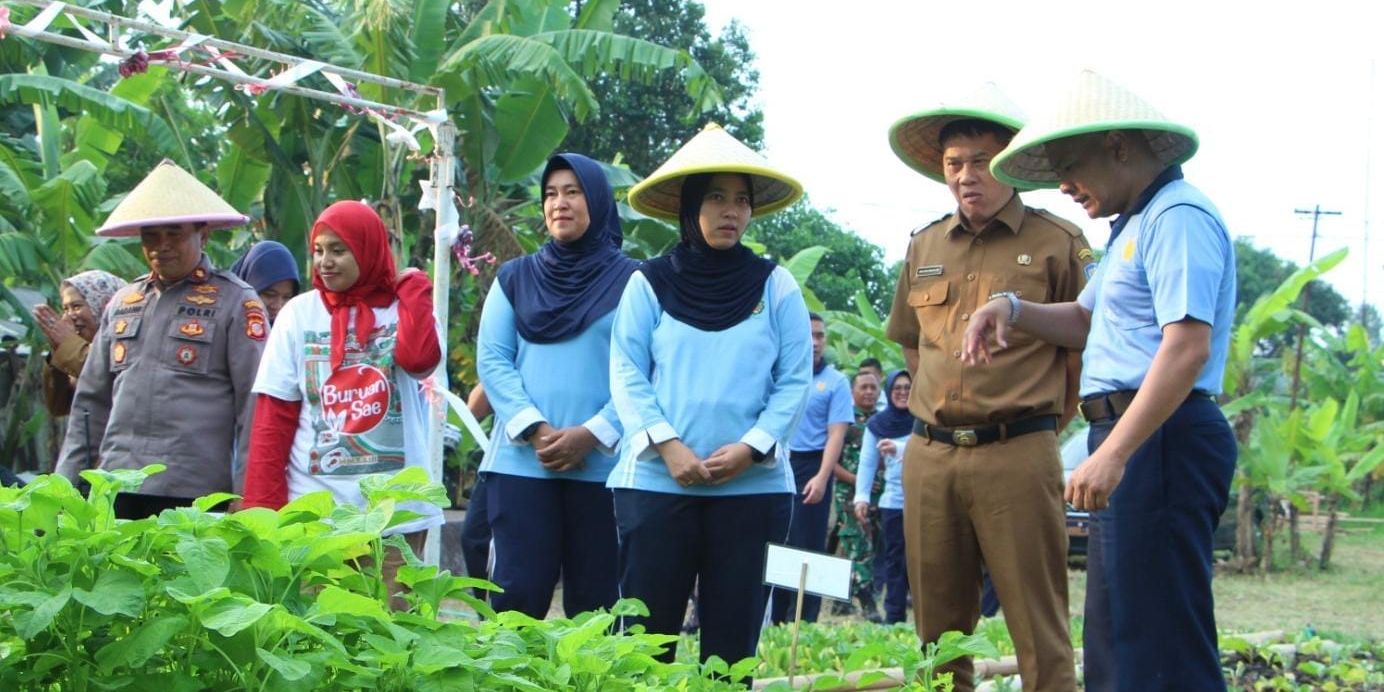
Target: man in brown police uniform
x=169, y=375
x=982, y=477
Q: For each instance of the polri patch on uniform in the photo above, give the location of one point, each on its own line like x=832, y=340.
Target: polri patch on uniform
x=928, y=271
x=192, y=328
x=133, y=298
x=254, y=325
x=199, y=299
x=118, y=352
x=186, y=355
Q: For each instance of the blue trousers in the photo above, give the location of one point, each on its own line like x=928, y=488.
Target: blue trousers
x=669, y=542
x=895, y=567
x=808, y=530
x=475, y=534
x=545, y=529
x=1150, y=619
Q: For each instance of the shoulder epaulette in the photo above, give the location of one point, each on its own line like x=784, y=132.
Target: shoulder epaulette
x=930, y=224
x=1071, y=228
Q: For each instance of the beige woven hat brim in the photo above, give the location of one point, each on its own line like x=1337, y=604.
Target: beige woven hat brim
x=1096, y=104
x=170, y=196
x=713, y=150
x=915, y=138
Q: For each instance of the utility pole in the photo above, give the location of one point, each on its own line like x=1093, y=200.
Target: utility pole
x=1316, y=213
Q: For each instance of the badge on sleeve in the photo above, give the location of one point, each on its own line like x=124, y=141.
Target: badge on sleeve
x=186, y=355
x=118, y=352
x=1085, y=255
x=255, y=325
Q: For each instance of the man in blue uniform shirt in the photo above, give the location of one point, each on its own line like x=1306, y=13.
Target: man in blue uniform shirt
x=1155, y=321
x=815, y=451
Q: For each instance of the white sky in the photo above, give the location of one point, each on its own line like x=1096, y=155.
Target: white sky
x=1281, y=94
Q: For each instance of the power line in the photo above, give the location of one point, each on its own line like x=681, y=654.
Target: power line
x=1316, y=213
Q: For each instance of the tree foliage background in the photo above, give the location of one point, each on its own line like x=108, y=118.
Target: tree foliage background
x=643, y=124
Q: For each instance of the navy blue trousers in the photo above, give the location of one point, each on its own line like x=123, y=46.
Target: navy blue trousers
x=475, y=534
x=895, y=568
x=669, y=542
x=807, y=530
x=1150, y=620
x=545, y=529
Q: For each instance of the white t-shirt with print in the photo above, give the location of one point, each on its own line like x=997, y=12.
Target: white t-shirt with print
x=365, y=418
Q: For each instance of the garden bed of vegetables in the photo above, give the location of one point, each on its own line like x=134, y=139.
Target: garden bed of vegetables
x=292, y=600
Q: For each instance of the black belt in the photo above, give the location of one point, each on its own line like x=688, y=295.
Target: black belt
x=984, y=434
x=1114, y=404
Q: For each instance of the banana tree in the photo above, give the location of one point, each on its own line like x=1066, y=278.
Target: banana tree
x=855, y=336
x=1345, y=439
x=1248, y=377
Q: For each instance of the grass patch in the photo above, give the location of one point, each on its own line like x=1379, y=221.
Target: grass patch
x=1340, y=603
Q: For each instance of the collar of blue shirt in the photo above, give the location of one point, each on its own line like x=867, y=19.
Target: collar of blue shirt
x=1168, y=175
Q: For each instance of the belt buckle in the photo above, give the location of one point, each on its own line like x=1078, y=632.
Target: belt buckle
x=964, y=438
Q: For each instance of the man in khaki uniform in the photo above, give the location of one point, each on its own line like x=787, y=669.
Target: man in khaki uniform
x=168, y=377
x=982, y=477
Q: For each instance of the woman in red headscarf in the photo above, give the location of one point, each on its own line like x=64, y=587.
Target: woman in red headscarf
x=338, y=394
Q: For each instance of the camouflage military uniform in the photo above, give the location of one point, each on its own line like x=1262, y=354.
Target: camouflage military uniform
x=168, y=381
x=852, y=542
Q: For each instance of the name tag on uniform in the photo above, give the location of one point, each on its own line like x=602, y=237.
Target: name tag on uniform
x=928, y=271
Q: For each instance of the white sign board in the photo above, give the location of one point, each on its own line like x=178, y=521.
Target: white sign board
x=827, y=575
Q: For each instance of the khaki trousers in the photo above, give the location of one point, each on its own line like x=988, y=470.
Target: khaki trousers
x=1001, y=503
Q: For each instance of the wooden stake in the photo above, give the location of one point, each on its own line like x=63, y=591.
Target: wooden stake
x=797, y=623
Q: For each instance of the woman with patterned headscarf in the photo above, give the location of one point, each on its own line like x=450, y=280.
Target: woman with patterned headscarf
x=84, y=298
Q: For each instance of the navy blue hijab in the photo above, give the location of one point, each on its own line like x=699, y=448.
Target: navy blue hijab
x=268, y=262
x=699, y=285
x=893, y=422
x=560, y=290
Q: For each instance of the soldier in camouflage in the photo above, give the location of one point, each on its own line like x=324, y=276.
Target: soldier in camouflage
x=852, y=540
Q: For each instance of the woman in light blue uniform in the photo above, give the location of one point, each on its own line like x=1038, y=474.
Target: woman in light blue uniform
x=543, y=355
x=886, y=436
x=710, y=363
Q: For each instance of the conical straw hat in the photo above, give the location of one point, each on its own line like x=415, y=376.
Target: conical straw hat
x=916, y=138
x=713, y=150
x=169, y=196
x=1096, y=104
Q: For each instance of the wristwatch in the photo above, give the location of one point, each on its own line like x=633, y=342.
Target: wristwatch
x=1013, y=305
